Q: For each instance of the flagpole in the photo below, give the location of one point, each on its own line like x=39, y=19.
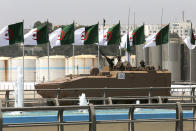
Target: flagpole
x=190, y=57
x=99, y=47
x=168, y=60
x=73, y=59
x=127, y=53
x=48, y=46
x=134, y=29
x=190, y=66
x=98, y=56
x=23, y=61
x=144, y=50
x=161, y=45
x=73, y=56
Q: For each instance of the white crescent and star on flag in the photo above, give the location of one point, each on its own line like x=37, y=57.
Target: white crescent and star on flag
x=123, y=43
x=187, y=41
x=4, y=37
x=55, y=38
x=31, y=37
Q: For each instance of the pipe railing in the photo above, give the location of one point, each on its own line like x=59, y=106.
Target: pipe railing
x=92, y=115
x=82, y=89
x=149, y=97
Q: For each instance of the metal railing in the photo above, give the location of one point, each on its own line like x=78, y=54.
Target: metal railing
x=105, y=99
x=92, y=115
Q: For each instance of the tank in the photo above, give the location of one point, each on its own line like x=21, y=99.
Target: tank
x=174, y=59
x=29, y=68
x=56, y=67
x=111, y=79
x=4, y=68
x=117, y=75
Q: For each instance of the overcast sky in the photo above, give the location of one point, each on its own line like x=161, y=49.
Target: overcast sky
x=89, y=12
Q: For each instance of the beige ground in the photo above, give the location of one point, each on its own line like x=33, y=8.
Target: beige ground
x=111, y=127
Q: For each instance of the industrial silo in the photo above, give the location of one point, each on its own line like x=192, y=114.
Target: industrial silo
x=56, y=68
x=146, y=56
x=139, y=54
x=142, y=54
x=185, y=70
x=155, y=56
x=29, y=68
x=4, y=68
x=174, y=57
x=186, y=64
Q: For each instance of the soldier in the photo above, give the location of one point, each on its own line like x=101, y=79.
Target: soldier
x=142, y=63
x=110, y=61
x=119, y=64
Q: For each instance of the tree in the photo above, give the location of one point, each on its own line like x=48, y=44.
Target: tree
x=38, y=23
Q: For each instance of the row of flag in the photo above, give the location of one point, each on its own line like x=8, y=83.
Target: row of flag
x=64, y=35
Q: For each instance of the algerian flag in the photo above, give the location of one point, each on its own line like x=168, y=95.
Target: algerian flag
x=190, y=41
x=103, y=37
x=62, y=36
x=137, y=36
x=37, y=35
x=189, y=44
x=111, y=36
x=124, y=39
x=11, y=34
x=125, y=44
x=128, y=47
x=158, y=39
x=86, y=35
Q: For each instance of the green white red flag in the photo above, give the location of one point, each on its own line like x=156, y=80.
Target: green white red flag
x=37, y=35
x=11, y=34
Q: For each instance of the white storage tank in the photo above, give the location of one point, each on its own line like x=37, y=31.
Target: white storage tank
x=29, y=68
x=56, y=68
x=83, y=64
x=4, y=72
x=69, y=66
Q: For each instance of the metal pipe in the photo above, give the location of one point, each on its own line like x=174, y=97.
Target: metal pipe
x=60, y=120
x=73, y=60
x=48, y=47
x=131, y=117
